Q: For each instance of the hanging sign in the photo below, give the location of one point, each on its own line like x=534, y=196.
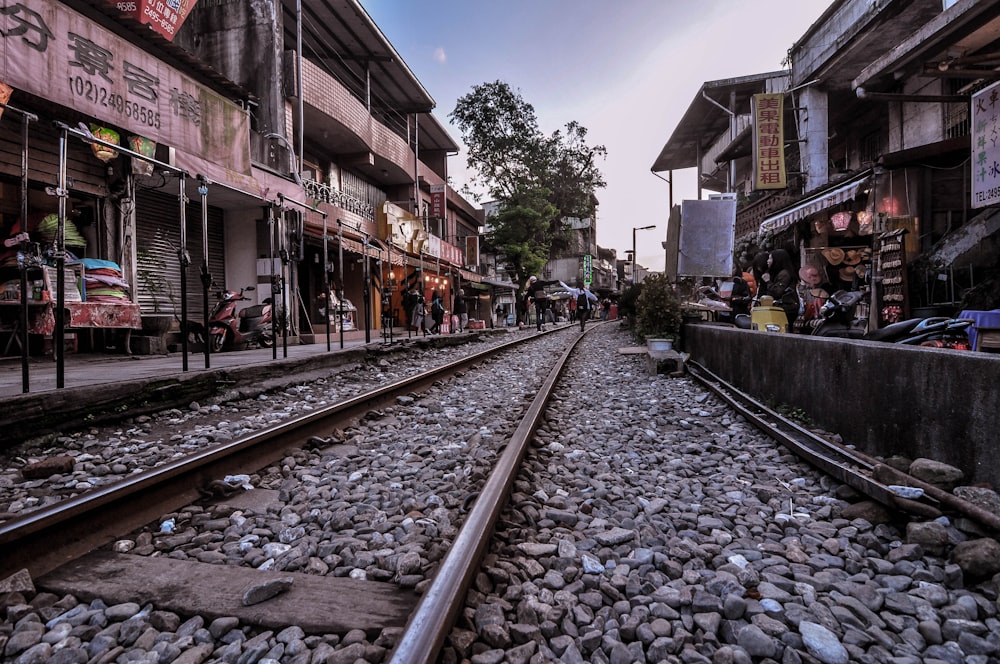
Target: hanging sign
x=985, y=147
x=437, y=201
x=61, y=56
x=768, y=142
x=164, y=16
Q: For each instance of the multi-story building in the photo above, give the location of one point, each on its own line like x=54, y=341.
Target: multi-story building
x=291, y=152
x=877, y=145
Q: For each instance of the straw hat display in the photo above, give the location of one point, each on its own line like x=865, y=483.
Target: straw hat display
x=852, y=257
x=833, y=255
x=810, y=275
x=846, y=273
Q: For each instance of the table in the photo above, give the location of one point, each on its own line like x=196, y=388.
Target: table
x=983, y=320
x=79, y=315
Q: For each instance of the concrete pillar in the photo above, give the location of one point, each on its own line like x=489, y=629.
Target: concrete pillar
x=814, y=128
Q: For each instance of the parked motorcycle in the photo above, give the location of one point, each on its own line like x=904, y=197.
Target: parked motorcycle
x=251, y=326
x=837, y=319
x=764, y=316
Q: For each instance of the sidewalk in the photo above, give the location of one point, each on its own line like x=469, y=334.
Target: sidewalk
x=90, y=369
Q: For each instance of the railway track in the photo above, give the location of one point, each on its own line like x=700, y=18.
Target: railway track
x=859, y=471
x=48, y=541
x=52, y=536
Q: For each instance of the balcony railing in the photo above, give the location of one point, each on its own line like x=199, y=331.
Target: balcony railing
x=319, y=191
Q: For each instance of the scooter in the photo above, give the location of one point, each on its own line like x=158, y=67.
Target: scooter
x=250, y=326
x=764, y=316
x=837, y=320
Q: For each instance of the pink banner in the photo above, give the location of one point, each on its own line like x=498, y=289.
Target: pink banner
x=52, y=51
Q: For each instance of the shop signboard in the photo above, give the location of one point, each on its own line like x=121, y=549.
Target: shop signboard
x=61, y=56
x=165, y=17
x=768, y=142
x=706, y=238
x=438, y=201
x=985, y=147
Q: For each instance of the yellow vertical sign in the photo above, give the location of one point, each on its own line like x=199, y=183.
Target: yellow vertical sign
x=768, y=142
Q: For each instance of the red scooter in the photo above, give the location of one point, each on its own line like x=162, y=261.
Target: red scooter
x=251, y=326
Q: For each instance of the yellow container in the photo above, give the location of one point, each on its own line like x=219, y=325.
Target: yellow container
x=766, y=317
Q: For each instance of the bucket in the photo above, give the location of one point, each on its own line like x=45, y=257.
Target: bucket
x=655, y=345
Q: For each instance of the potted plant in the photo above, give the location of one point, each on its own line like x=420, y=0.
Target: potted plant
x=152, y=283
x=658, y=313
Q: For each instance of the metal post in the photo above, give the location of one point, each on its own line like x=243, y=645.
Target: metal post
x=270, y=268
x=184, y=259
x=23, y=238
x=367, y=295
x=59, y=335
x=634, y=229
x=206, y=276
x=326, y=282
x=340, y=294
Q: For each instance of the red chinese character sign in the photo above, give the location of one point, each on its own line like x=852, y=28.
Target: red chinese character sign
x=164, y=16
x=986, y=147
x=437, y=201
x=768, y=142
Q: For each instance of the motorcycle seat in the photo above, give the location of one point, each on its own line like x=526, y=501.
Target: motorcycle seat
x=255, y=311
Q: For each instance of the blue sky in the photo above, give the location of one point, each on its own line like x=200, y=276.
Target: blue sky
x=624, y=69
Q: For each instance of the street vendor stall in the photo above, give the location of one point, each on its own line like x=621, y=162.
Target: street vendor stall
x=102, y=312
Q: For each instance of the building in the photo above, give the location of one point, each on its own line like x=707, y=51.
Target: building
x=288, y=152
x=876, y=147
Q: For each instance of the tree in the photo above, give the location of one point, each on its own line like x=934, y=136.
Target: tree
x=521, y=231
x=535, y=179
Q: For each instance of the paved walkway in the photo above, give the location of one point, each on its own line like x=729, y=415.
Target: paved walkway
x=89, y=369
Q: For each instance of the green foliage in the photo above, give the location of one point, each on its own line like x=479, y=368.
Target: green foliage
x=658, y=311
x=536, y=179
x=628, y=302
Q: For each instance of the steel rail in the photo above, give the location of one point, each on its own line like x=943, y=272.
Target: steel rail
x=53, y=535
x=876, y=476
x=434, y=616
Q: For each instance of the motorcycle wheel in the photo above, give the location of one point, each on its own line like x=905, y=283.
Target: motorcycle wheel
x=216, y=342
x=265, y=341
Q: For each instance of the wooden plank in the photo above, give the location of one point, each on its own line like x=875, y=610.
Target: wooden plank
x=317, y=604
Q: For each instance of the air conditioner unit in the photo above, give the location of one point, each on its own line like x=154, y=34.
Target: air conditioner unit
x=728, y=196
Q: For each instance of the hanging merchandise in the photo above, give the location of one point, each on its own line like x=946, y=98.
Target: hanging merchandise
x=865, y=225
x=103, y=152
x=48, y=228
x=145, y=147
x=5, y=92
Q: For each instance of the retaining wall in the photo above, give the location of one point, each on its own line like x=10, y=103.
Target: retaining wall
x=883, y=398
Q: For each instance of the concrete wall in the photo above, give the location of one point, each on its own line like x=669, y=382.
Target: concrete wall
x=883, y=398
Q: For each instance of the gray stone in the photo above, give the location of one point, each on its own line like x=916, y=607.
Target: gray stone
x=263, y=591
x=822, y=644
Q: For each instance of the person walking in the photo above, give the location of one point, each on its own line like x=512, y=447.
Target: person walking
x=437, y=312
x=585, y=302
x=541, y=300
x=419, y=316
x=461, y=310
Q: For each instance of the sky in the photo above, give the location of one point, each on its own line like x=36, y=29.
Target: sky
x=627, y=70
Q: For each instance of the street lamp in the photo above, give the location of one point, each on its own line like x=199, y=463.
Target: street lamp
x=634, y=229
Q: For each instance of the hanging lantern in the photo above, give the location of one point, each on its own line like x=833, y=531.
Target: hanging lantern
x=147, y=148
x=103, y=152
x=841, y=220
x=820, y=225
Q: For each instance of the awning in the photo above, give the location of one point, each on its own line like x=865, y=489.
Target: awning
x=822, y=200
